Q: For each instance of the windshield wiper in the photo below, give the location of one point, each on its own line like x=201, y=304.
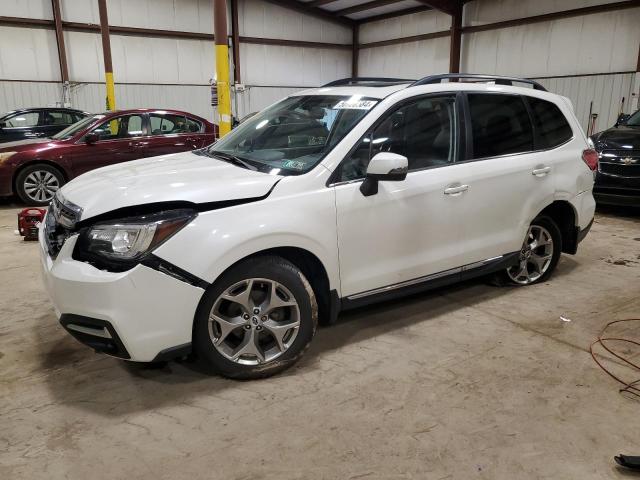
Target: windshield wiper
x=227, y=157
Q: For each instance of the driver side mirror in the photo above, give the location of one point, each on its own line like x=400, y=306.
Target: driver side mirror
x=622, y=119
x=3, y=125
x=91, y=138
x=384, y=167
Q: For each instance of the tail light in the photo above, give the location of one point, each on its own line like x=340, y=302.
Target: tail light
x=590, y=157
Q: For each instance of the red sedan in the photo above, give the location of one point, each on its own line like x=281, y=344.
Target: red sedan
x=36, y=169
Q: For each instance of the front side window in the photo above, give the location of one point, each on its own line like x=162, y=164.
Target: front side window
x=58, y=118
x=500, y=125
x=293, y=136
x=27, y=119
x=72, y=130
x=126, y=126
x=551, y=127
x=423, y=130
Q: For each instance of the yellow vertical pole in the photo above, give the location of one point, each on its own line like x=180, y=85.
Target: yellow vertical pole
x=106, y=51
x=222, y=66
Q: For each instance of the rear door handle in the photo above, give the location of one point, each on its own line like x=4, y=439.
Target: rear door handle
x=540, y=172
x=456, y=190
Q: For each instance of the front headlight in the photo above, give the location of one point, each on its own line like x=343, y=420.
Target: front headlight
x=6, y=156
x=123, y=243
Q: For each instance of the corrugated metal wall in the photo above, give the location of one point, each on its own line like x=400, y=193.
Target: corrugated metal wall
x=591, y=44
x=162, y=72
x=600, y=94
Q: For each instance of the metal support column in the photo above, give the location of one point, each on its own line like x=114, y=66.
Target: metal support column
x=456, y=38
x=222, y=66
x=62, y=53
x=355, y=50
x=106, y=51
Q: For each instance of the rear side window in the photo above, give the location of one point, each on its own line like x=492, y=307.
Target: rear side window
x=500, y=125
x=58, y=118
x=193, y=126
x=552, y=127
x=167, y=123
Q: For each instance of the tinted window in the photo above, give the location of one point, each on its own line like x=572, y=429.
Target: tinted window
x=164, y=124
x=193, y=126
x=27, y=119
x=120, y=127
x=500, y=125
x=58, y=118
x=424, y=131
x=551, y=127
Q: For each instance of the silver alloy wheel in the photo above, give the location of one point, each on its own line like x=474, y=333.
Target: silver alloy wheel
x=535, y=256
x=254, y=321
x=41, y=185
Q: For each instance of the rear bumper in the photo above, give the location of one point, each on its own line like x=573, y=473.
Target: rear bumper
x=583, y=233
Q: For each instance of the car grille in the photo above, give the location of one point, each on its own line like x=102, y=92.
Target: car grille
x=622, y=163
x=59, y=224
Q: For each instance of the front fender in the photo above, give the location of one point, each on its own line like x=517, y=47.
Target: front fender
x=217, y=239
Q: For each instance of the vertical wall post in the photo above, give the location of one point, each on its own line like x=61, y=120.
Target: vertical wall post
x=235, y=33
x=355, y=50
x=62, y=53
x=222, y=66
x=456, y=38
x=106, y=51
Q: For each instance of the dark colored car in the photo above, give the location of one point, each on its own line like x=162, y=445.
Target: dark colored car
x=36, y=169
x=37, y=122
x=618, y=176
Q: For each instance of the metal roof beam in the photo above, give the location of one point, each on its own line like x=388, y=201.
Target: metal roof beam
x=303, y=7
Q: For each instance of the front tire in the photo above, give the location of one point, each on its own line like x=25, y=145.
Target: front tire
x=256, y=320
x=539, y=254
x=37, y=184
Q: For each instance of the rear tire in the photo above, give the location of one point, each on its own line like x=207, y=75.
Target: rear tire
x=256, y=320
x=37, y=184
x=539, y=255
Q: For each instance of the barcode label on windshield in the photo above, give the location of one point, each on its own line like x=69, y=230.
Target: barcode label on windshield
x=358, y=105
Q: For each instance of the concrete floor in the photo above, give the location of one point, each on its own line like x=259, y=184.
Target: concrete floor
x=470, y=381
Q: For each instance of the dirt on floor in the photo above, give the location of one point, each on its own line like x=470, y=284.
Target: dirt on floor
x=469, y=381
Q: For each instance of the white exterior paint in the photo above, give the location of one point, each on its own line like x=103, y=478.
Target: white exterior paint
x=364, y=243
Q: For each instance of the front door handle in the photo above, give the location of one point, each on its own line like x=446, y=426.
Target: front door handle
x=456, y=190
x=541, y=172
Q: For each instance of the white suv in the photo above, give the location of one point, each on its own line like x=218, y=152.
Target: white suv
x=332, y=198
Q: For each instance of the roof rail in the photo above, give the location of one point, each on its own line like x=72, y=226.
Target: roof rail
x=499, y=80
x=370, y=81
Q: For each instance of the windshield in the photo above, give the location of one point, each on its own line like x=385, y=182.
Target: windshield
x=634, y=120
x=71, y=130
x=292, y=136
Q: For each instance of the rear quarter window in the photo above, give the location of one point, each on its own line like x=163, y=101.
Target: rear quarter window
x=552, y=128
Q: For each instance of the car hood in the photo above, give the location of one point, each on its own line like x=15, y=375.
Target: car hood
x=22, y=145
x=618, y=138
x=179, y=177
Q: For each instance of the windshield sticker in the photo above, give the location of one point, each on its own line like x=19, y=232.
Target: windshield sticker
x=357, y=105
x=293, y=164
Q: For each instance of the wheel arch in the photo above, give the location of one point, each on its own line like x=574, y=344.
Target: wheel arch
x=312, y=268
x=33, y=162
x=564, y=215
